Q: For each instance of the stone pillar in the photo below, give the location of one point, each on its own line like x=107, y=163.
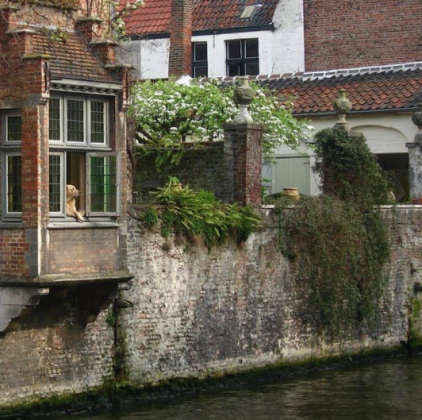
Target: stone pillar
x=415, y=159
x=242, y=142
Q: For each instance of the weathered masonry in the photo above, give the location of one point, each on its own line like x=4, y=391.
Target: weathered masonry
x=62, y=103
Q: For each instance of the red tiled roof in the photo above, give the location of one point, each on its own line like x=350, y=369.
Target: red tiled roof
x=387, y=88
x=154, y=16
x=70, y=59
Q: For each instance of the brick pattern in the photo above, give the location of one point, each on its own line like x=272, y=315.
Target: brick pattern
x=236, y=308
x=245, y=142
x=80, y=251
x=180, y=57
x=196, y=313
x=200, y=168
x=343, y=34
x=63, y=357
x=13, y=247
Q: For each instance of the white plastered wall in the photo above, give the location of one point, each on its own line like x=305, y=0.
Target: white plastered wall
x=288, y=48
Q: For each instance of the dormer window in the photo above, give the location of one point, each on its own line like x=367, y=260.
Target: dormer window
x=80, y=155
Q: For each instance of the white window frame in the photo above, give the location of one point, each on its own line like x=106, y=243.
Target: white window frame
x=5, y=124
x=62, y=211
x=89, y=212
x=86, y=143
x=6, y=213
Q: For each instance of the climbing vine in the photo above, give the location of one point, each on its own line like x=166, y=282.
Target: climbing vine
x=338, y=240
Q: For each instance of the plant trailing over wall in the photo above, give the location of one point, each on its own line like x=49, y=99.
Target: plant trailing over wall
x=168, y=112
x=338, y=240
x=198, y=215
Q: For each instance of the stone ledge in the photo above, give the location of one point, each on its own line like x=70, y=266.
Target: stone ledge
x=46, y=280
x=83, y=225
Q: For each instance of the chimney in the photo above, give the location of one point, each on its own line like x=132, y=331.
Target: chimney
x=180, y=38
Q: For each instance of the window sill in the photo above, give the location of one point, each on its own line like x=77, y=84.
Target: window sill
x=67, y=224
x=11, y=225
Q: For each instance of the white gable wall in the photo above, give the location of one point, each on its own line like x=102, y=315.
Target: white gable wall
x=288, y=42
x=280, y=51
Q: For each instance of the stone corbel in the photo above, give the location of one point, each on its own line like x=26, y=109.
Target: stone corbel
x=16, y=301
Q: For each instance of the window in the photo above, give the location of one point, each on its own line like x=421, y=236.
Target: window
x=12, y=164
x=242, y=57
x=78, y=121
x=79, y=139
x=199, y=59
x=13, y=184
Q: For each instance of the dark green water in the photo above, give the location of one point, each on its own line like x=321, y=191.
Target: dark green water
x=383, y=390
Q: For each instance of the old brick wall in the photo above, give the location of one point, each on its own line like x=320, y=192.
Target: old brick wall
x=343, y=34
x=200, y=168
x=195, y=313
x=198, y=312
x=12, y=256
x=82, y=250
x=50, y=353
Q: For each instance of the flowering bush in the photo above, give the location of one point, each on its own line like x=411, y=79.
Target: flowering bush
x=167, y=112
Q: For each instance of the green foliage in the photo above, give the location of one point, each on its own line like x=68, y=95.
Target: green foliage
x=150, y=217
x=350, y=167
x=339, y=241
x=199, y=215
x=167, y=113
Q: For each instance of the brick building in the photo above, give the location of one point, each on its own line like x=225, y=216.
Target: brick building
x=62, y=104
x=359, y=33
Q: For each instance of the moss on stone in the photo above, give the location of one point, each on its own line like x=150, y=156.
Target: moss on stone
x=415, y=325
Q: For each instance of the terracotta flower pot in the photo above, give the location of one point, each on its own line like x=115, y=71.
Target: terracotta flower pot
x=292, y=193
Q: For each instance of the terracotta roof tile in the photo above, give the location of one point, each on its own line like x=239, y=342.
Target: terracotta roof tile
x=371, y=91
x=70, y=59
x=154, y=16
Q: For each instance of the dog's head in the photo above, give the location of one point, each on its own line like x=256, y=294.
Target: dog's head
x=71, y=192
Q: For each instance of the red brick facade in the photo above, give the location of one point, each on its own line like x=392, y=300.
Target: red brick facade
x=35, y=62
x=180, y=38
x=359, y=33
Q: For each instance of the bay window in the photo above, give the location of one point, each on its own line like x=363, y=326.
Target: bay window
x=81, y=155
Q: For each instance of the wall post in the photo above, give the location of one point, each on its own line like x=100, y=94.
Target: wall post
x=242, y=142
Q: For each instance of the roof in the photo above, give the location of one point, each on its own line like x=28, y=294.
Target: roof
x=71, y=59
x=369, y=89
x=153, y=17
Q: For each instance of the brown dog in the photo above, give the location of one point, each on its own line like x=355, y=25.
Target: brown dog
x=71, y=194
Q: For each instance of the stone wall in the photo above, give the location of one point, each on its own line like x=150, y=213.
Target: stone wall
x=234, y=308
x=195, y=313
x=359, y=33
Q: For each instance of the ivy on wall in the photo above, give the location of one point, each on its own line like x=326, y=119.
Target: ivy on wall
x=338, y=240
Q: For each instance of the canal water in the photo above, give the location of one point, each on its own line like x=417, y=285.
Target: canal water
x=380, y=390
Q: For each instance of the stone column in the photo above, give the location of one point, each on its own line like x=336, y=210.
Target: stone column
x=243, y=149
x=415, y=159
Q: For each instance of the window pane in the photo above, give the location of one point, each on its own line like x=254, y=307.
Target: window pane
x=54, y=119
x=200, y=71
x=14, y=128
x=200, y=52
x=97, y=122
x=75, y=121
x=14, y=184
x=251, y=48
x=55, y=183
x=234, y=70
x=252, y=69
x=103, y=183
x=233, y=49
